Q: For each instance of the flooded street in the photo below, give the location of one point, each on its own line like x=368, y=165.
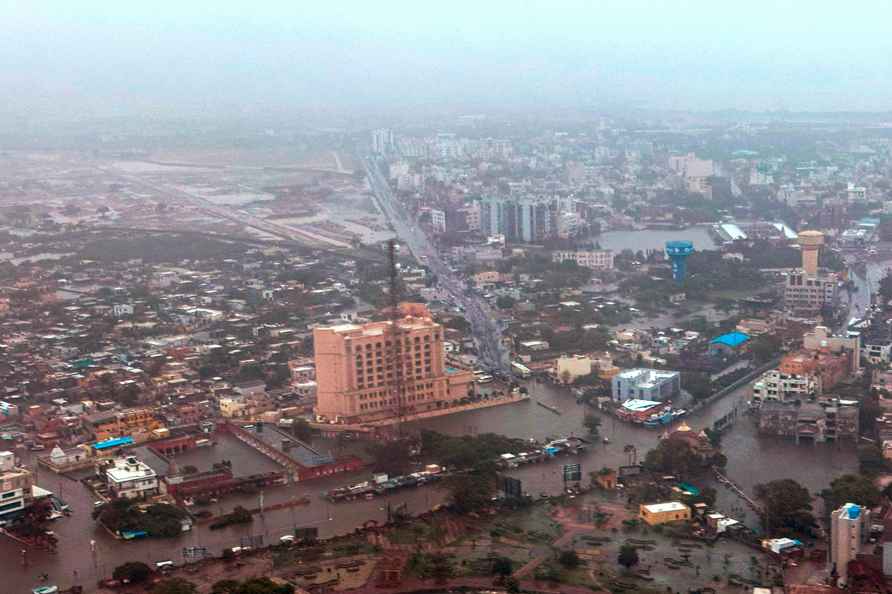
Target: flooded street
x=751, y=459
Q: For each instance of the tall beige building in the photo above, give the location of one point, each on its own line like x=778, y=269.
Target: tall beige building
x=809, y=289
x=359, y=369
x=849, y=529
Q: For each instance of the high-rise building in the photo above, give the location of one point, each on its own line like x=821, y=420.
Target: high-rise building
x=808, y=290
x=849, y=529
x=375, y=371
x=382, y=141
x=526, y=219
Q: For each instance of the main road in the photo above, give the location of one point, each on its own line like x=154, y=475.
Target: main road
x=484, y=327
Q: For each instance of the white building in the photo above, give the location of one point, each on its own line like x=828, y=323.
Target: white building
x=438, y=220
x=645, y=384
x=382, y=141
x=593, y=259
x=783, y=387
x=15, y=486
x=122, y=309
x=131, y=479
x=856, y=193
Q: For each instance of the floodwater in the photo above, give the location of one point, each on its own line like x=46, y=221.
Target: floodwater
x=751, y=459
x=654, y=239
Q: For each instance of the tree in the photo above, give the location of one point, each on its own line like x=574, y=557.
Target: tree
x=569, y=559
x=592, y=423
x=441, y=568
x=174, y=586
x=391, y=457
x=504, y=302
x=472, y=491
x=225, y=587
x=628, y=556
x=674, y=456
x=502, y=566
x=850, y=488
x=765, y=348
x=132, y=572
x=787, y=508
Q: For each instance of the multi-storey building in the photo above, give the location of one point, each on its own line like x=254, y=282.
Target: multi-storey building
x=593, y=259
x=526, y=219
x=129, y=478
x=645, y=384
x=111, y=424
x=375, y=370
x=15, y=487
x=849, y=530
x=807, y=295
x=809, y=289
x=824, y=420
x=783, y=387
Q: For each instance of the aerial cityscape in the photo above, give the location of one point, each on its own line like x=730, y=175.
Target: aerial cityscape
x=525, y=336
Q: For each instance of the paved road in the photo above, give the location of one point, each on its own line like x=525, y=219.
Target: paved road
x=484, y=327
x=224, y=212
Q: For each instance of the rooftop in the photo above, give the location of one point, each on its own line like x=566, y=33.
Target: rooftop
x=669, y=506
x=731, y=339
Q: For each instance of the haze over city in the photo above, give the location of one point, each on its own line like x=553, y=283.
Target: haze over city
x=172, y=59
x=404, y=297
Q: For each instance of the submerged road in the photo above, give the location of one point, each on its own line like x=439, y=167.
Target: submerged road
x=484, y=327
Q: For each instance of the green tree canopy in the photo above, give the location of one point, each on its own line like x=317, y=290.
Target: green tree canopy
x=628, y=556
x=851, y=488
x=787, y=506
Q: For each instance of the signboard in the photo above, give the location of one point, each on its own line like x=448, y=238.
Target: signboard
x=572, y=473
x=512, y=487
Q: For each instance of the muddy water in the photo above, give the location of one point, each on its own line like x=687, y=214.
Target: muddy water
x=751, y=459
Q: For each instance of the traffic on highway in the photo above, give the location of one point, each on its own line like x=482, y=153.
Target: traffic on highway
x=484, y=327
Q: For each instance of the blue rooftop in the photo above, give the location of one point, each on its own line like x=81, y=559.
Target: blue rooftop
x=113, y=443
x=731, y=339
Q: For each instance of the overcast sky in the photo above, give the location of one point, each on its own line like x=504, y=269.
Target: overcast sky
x=63, y=58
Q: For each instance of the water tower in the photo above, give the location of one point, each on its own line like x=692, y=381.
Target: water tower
x=810, y=242
x=678, y=252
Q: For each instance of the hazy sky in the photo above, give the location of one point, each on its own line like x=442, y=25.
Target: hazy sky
x=91, y=58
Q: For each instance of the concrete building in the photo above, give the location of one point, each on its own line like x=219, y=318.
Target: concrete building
x=15, y=487
x=849, y=530
x=808, y=290
x=375, y=370
x=774, y=385
x=645, y=384
x=382, y=141
x=569, y=368
x=697, y=173
x=661, y=513
x=129, y=478
x=820, y=338
x=593, y=259
x=438, y=220
x=821, y=421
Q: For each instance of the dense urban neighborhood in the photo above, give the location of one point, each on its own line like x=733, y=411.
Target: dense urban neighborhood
x=612, y=355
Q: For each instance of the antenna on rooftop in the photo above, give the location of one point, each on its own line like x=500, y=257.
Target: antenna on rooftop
x=396, y=338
